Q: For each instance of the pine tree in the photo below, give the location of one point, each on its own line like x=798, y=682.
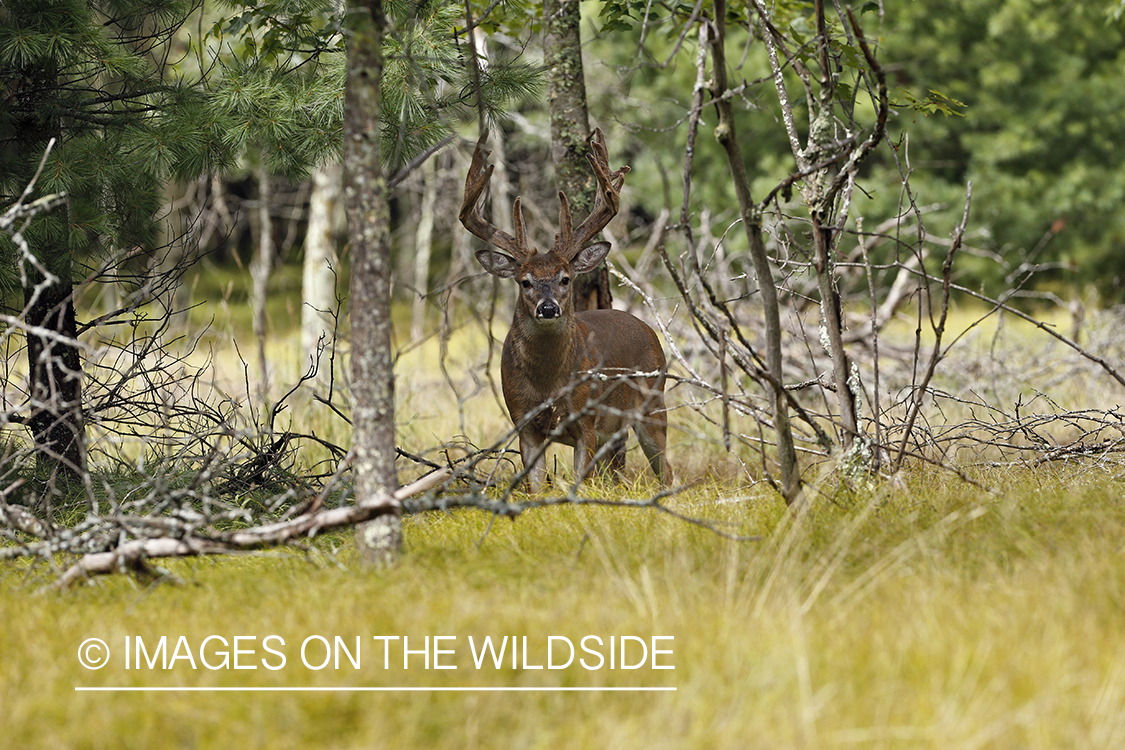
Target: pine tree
x=88, y=74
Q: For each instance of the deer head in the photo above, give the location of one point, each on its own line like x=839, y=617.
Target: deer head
x=544, y=277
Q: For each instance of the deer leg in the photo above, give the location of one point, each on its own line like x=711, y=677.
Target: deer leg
x=584, y=453
x=533, y=451
x=652, y=434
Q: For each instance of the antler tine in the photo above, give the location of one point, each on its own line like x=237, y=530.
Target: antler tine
x=472, y=219
x=565, y=237
x=607, y=201
x=518, y=227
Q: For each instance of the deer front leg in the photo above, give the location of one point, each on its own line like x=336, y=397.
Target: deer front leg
x=584, y=448
x=533, y=451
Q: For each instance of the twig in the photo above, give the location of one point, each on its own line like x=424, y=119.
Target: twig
x=939, y=329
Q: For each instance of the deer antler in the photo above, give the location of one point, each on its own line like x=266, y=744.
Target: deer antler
x=606, y=203
x=475, y=183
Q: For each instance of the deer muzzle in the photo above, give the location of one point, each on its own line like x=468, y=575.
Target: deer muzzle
x=548, y=309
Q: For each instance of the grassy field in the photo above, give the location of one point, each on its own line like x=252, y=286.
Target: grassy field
x=924, y=612
x=927, y=615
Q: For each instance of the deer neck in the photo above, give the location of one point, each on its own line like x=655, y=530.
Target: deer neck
x=551, y=352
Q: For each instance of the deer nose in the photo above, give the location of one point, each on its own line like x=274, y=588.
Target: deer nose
x=548, y=310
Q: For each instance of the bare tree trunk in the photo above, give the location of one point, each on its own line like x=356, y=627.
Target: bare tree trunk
x=570, y=127
x=752, y=221
x=821, y=200
x=260, y=268
x=833, y=320
x=365, y=195
x=55, y=367
x=318, y=280
x=423, y=247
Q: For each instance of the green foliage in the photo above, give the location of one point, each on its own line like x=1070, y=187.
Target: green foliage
x=934, y=103
x=281, y=79
x=513, y=18
x=1041, y=142
x=625, y=15
x=294, y=117
x=278, y=81
x=429, y=84
x=280, y=30
x=267, y=80
x=1021, y=98
x=84, y=73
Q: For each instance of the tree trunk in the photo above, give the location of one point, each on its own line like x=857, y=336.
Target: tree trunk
x=55, y=421
x=318, y=281
x=372, y=376
x=260, y=268
x=822, y=133
x=833, y=317
x=570, y=127
x=423, y=247
x=752, y=222
x=55, y=364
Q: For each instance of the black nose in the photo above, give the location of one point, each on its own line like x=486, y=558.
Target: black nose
x=549, y=310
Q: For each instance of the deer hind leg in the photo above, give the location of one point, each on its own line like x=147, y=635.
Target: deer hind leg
x=652, y=434
x=584, y=449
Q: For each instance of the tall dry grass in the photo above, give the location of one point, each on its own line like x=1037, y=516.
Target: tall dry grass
x=927, y=615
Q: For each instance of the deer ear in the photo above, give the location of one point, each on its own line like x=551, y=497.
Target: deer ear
x=588, y=258
x=497, y=263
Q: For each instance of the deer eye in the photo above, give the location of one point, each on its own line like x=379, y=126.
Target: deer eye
x=565, y=280
x=526, y=284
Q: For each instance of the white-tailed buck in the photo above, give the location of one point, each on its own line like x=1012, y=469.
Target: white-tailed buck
x=581, y=379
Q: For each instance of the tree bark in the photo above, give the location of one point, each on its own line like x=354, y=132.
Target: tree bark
x=372, y=376
x=833, y=317
x=820, y=200
x=56, y=423
x=752, y=222
x=570, y=128
x=260, y=268
x=320, y=266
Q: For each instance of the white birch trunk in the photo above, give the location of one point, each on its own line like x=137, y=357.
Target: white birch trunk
x=423, y=246
x=318, y=281
x=260, y=268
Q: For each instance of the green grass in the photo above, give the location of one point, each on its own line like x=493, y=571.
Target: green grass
x=928, y=615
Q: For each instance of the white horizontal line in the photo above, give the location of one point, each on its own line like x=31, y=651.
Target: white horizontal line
x=371, y=689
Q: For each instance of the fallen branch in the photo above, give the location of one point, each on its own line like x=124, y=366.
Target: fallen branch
x=511, y=510
x=133, y=554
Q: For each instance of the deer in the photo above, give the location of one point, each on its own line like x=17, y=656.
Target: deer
x=580, y=379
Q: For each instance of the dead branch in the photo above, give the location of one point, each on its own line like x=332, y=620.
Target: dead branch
x=938, y=328
x=132, y=554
